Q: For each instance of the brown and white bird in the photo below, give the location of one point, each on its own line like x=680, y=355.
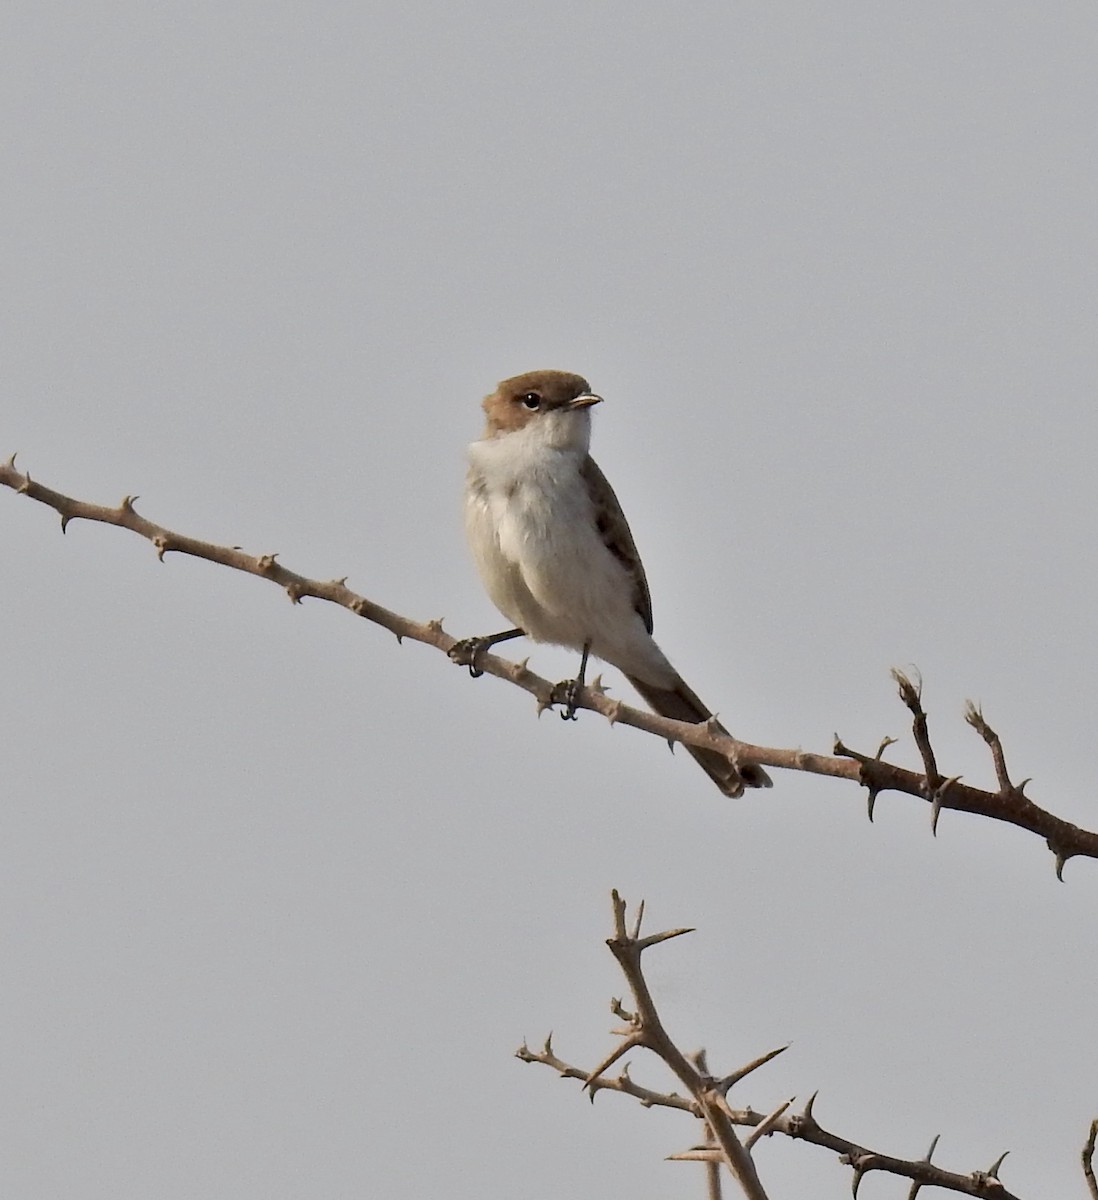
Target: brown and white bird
x=555, y=553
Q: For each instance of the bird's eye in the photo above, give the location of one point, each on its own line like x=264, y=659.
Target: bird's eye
x=531, y=400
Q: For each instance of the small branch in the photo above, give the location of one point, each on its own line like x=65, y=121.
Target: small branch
x=975, y=718
x=1088, y=1160
x=620, y=1083
x=911, y=693
x=1007, y=804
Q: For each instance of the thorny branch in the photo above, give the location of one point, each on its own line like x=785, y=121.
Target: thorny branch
x=1008, y=803
x=708, y=1095
x=644, y=1028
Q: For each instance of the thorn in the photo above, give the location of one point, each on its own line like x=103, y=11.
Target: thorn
x=340, y=582
x=870, y=802
x=294, y=592
x=521, y=664
x=839, y=747
x=266, y=562
x=548, y=1047
x=1021, y=788
x=863, y=1162
x=671, y=745
x=614, y=714
x=1061, y=859
x=637, y=923
x=916, y=1185
x=766, y=1124
x=619, y=1050
x=65, y=519
x=730, y=1080
x=435, y=624
x=993, y=1171
x=128, y=503
x=597, y=686
x=25, y=486
x=654, y=939
x=161, y=545
x=936, y=801
x=11, y=461
x=713, y=727
x=706, y=1154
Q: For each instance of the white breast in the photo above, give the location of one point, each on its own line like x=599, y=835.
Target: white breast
x=531, y=526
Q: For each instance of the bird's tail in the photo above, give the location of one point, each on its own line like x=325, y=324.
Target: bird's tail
x=681, y=704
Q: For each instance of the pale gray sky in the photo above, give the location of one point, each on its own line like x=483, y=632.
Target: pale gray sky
x=278, y=897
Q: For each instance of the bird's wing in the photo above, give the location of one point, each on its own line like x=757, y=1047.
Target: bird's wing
x=614, y=531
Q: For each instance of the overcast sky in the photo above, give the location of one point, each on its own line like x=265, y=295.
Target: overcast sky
x=279, y=897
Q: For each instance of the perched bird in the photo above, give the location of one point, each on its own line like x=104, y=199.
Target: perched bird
x=556, y=556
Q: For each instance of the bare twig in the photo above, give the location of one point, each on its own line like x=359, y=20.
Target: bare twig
x=911, y=693
x=1007, y=804
x=619, y=1083
x=1088, y=1160
x=975, y=717
x=708, y=1099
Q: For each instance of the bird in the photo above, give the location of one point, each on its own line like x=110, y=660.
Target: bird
x=556, y=556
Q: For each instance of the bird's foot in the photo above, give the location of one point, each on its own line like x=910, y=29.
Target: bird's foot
x=466, y=653
x=567, y=693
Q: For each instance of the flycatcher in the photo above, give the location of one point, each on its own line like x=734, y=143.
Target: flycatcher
x=556, y=556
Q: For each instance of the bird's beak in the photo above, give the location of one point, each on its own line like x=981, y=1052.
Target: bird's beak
x=585, y=401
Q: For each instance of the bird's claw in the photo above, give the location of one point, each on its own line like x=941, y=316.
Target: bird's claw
x=466, y=653
x=567, y=693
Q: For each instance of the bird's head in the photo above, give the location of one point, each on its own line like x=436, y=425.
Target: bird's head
x=554, y=404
